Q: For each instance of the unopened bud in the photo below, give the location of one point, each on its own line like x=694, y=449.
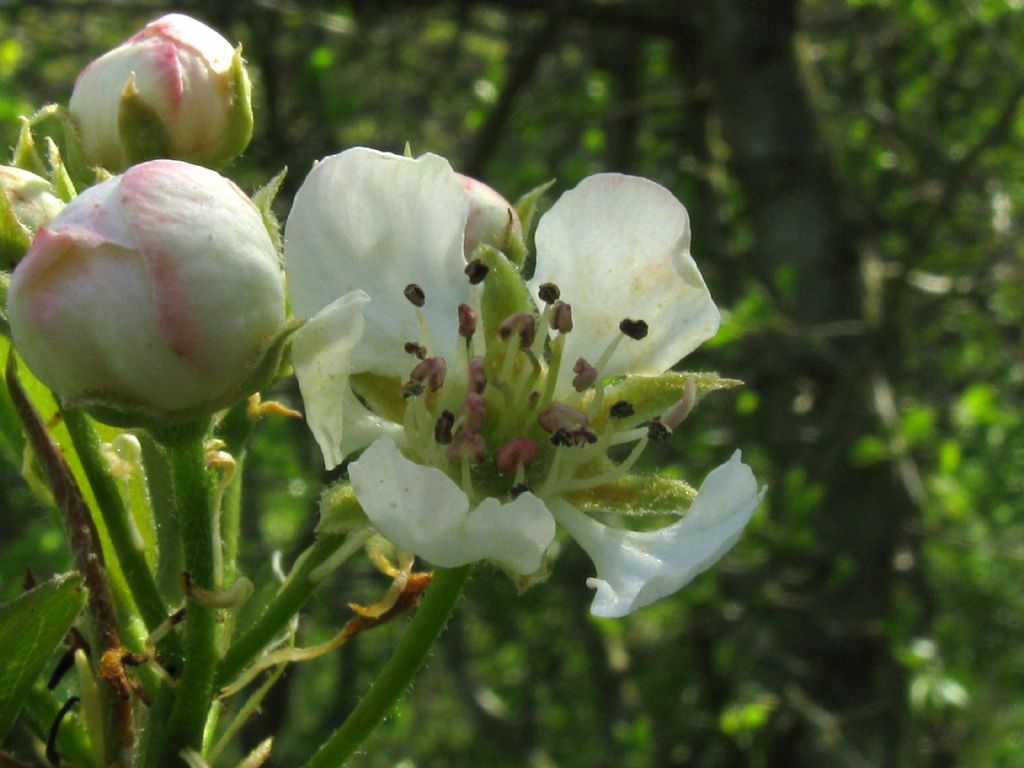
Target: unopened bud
x=153, y=298
x=492, y=220
x=177, y=89
x=28, y=204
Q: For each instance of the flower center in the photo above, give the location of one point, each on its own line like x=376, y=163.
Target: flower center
x=505, y=417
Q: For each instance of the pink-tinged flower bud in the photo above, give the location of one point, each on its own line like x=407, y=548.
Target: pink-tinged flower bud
x=153, y=298
x=176, y=89
x=492, y=219
x=27, y=204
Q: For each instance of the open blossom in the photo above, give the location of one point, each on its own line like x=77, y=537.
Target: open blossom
x=488, y=407
x=153, y=298
x=175, y=89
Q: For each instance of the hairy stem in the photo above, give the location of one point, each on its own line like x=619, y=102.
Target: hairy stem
x=399, y=671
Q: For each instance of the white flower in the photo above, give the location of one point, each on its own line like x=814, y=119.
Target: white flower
x=490, y=404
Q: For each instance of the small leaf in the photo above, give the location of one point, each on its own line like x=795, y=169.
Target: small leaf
x=264, y=200
x=31, y=628
x=526, y=206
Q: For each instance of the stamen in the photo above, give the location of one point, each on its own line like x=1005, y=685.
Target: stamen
x=561, y=416
x=561, y=317
x=412, y=389
x=432, y=370
x=619, y=470
x=467, y=321
x=562, y=438
x=635, y=329
x=516, y=455
x=519, y=489
x=477, y=374
x=675, y=415
x=549, y=293
x=417, y=350
x=623, y=409
x=443, y=427
x=522, y=324
x=415, y=295
x=657, y=431
x=467, y=447
x=476, y=271
x=474, y=410
x=586, y=375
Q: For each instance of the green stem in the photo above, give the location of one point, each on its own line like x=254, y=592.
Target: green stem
x=234, y=429
x=120, y=527
x=289, y=600
x=193, y=493
x=399, y=671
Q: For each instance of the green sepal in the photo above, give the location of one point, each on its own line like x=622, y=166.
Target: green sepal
x=15, y=238
x=74, y=157
x=651, y=396
x=26, y=154
x=122, y=413
x=408, y=151
x=239, y=119
x=5, y=284
x=526, y=206
x=505, y=292
x=636, y=495
x=142, y=131
x=63, y=186
x=32, y=626
x=340, y=511
x=264, y=201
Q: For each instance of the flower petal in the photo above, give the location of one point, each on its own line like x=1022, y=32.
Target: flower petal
x=423, y=511
x=619, y=247
x=635, y=568
x=321, y=354
x=375, y=221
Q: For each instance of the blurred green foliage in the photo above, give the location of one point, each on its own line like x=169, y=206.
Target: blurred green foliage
x=854, y=172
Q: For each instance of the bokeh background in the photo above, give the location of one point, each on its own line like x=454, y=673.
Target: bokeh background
x=854, y=171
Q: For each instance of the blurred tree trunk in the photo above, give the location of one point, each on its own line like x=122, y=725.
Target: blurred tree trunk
x=746, y=51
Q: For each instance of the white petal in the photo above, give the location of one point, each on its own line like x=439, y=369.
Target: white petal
x=423, y=511
x=361, y=426
x=619, y=247
x=636, y=568
x=375, y=221
x=321, y=354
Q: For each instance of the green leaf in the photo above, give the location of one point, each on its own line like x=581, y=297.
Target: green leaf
x=31, y=628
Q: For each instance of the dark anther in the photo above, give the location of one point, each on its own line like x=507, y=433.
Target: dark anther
x=561, y=317
x=519, y=489
x=51, y=740
x=562, y=437
x=476, y=271
x=635, y=329
x=415, y=295
x=549, y=293
x=416, y=349
x=412, y=389
x=443, y=427
x=467, y=321
x=657, y=431
x=583, y=436
x=622, y=410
